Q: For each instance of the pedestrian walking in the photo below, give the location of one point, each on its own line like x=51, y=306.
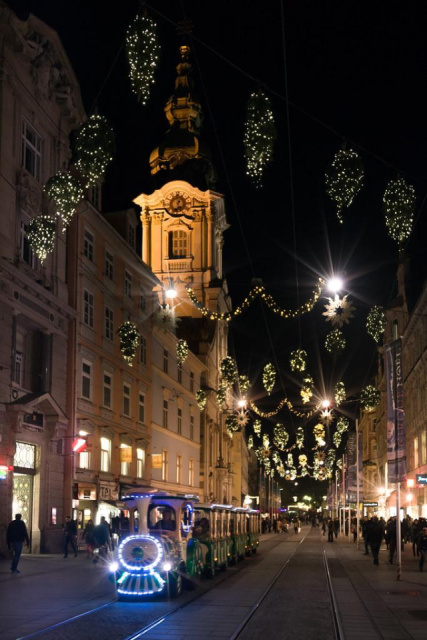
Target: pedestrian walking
x=88, y=538
x=70, y=536
x=331, y=529
x=16, y=535
x=101, y=535
x=422, y=546
x=375, y=535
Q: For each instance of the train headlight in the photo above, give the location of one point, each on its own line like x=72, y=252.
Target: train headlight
x=114, y=566
x=167, y=566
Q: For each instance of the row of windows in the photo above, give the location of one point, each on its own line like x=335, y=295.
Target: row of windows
x=85, y=459
x=107, y=392
x=420, y=455
x=179, y=470
x=179, y=419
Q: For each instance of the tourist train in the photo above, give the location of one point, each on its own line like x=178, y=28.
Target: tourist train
x=174, y=540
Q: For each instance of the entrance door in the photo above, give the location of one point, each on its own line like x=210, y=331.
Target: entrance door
x=23, y=498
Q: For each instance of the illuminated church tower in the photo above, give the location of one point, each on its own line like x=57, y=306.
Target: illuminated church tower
x=183, y=227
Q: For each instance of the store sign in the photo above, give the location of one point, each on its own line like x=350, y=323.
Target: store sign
x=87, y=492
x=421, y=478
x=156, y=460
x=370, y=504
x=108, y=491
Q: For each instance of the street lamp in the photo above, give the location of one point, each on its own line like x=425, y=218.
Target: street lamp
x=335, y=285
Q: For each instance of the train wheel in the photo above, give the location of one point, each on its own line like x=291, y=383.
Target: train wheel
x=175, y=584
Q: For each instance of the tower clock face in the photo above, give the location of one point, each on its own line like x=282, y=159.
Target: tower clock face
x=178, y=203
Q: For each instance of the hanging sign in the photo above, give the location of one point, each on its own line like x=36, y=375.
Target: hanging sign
x=156, y=460
x=125, y=454
x=396, y=447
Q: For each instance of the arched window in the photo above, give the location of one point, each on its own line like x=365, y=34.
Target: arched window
x=177, y=244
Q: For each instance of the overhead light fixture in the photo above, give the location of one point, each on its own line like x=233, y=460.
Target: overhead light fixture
x=335, y=285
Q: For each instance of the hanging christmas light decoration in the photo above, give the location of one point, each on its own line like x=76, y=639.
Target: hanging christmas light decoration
x=339, y=464
x=298, y=360
x=66, y=194
x=399, y=207
x=344, y=179
x=327, y=416
x=244, y=383
x=339, y=311
x=142, y=48
x=335, y=342
x=242, y=418
x=376, y=323
x=181, y=351
x=259, y=136
x=201, y=399
x=282, y=403
x=307, y=388
x=221, y=396
x=370, y=397
x=231, y=423
x=336, y=439
x=302, y=460
x=250, y=442
x=319, y=434
x=94, y=148
x=300, y=438
x=265, y=441
x=281, y=470
x=281, y=436
x=164, y=318
x=276, y=458
x=228, y=370
x=129, y=340
x=339, y=394
x=269, y=377
x=41, y=232
x=342, y=424
x=257, y=427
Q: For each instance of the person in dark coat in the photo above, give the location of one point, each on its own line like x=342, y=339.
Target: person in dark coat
x=70, y=536
x=375, y=535
x=102, y=538
x=331, y=528
x=16, y=535
x=422, y=546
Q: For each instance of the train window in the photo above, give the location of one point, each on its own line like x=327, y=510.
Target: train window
x=161, y=517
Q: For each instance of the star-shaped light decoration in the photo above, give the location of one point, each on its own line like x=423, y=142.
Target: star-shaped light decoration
x=327, y=417
x=339, y=311
x=242, y=418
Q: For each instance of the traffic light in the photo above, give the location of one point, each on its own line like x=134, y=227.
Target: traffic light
x=79, y=445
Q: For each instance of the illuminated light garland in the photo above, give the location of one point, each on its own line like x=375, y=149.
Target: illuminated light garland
x=259, y=290
x=298, y=360
x=244, y=383
x=319, y=434
x=344, y=179
x=181, y=351
x=339, y=311
x=282, y=403
x=280, y=436
x=300, y=438
x=231, y=423
x=370, y=397
x=228, y=370
x=201, y=399
x=94, y=148
x=307, y=389
x=221, y=396
x=335, y=342
x=66, y=194
x=342, y=424
x=336, y=439
x=302, y=459
x=143, y=49
x=339, y=464
x=339, y=394
x=276, y=458
x=376, y=323
x=257, y=427
x=259, y=136
x=41, y=232
x=269, y=377
x=265, y=441
x=399, y=208
x=129, y=340
x=250, y=442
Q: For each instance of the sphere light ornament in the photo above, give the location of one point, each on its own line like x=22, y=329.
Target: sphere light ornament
x=335, y=342
x=257, y=427
x=339, y=394
x=342, y=424
x=399, y=208
x=221, y=396
x=376, y=323
x=129, y=340
x=244, y=383
x=41, y=232
x=181, y=351
x=269, y=378
x=142, y=48
x=370, y=397
x=201, y=399
x=66, y=193
x=298, y=360
x=228, y=370
x=259, y=136
x=344, y=179
x=94, y=148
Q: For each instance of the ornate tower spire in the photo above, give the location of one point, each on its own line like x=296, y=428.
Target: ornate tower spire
x=181, y=155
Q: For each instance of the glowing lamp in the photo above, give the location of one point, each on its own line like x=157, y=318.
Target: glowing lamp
x=335, y=285
x=325, y=403
x=167, y=566
x=241, y=403
x=114, y=566
x=79, y=445
x=171, y=293
x=410, y=483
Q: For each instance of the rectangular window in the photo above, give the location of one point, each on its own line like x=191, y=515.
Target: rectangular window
x=141, y=407
x=95, y=195
x=125, y=468
x=27, y=253
x=140, y=463
x=165, y=465
x=179, y=374
x=86, y=380
x=88, y=244
x=165, y=361
x=109, y=265
x=143, y=350
x=192, y=381
x=84, y=460
x=107, y=388
x=88, y=308
x=179, y=469
x=105, y=454
x=18, y=368
x=165, y=413
x=109, y=323
x=191, y=472
x=128, y=284
x=142, y=299
x=191, y=427
x=126, y=400
x=31, y=150
x=179, y=420
x=416, y=452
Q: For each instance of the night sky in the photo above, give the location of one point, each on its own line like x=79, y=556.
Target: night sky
x=356, y=72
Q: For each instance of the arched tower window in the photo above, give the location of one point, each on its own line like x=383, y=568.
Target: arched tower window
x=177, y=244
